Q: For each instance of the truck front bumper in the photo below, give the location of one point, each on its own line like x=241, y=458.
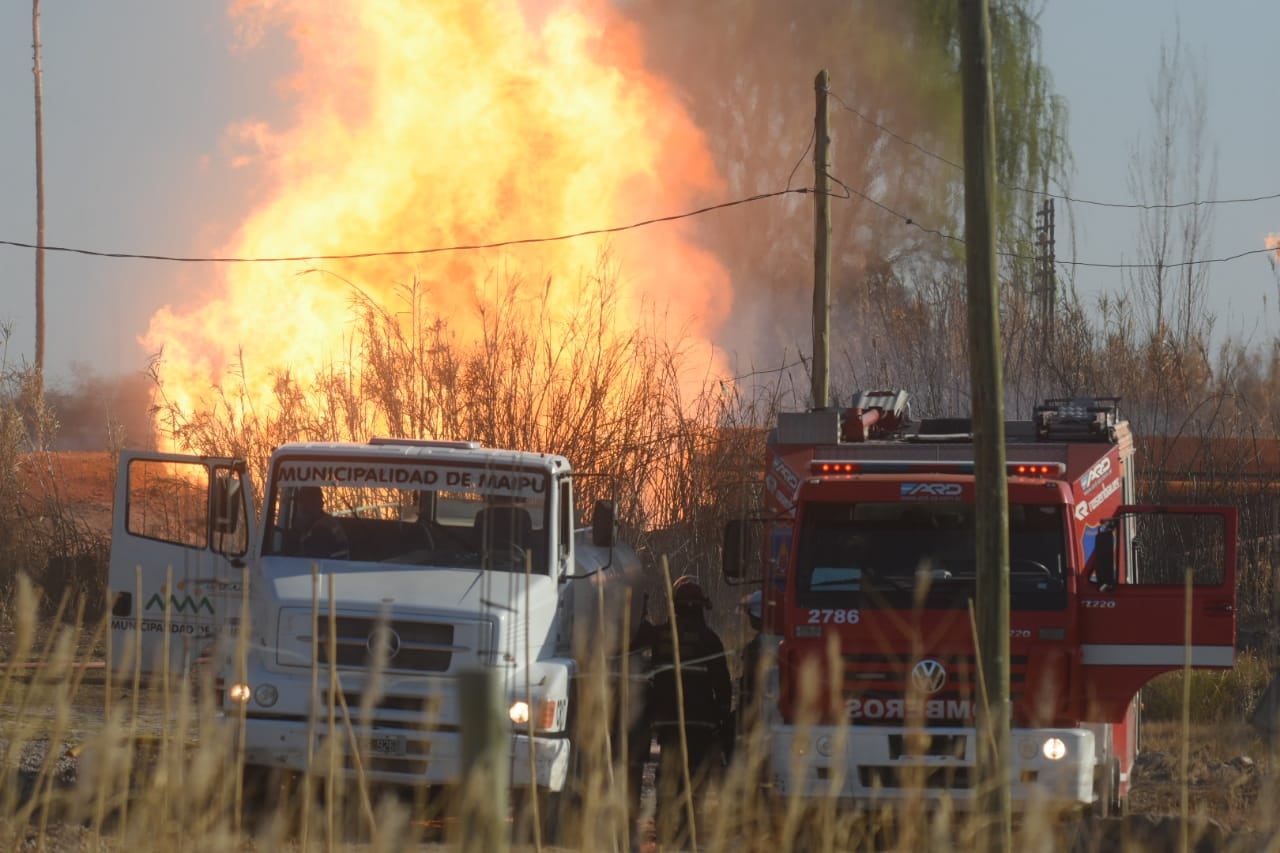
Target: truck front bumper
x=866, y=764
x=392, y=755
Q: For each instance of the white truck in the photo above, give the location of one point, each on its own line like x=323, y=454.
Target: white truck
x=435, y=557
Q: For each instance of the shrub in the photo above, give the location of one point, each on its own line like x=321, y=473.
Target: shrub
x=1217, y=696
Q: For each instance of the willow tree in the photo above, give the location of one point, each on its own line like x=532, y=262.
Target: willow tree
x=746, y=69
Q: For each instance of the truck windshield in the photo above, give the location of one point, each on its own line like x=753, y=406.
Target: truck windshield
x=885, y=555
x=493, y=520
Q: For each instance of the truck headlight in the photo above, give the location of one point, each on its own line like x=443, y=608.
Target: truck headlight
x=1054, y=748
x=543, y=712
x=266, y=695
x=239, y=693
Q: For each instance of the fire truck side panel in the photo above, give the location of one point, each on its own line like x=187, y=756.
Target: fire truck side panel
x=1135, y=631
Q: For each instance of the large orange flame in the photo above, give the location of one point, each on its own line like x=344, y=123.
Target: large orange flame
x=419, y=124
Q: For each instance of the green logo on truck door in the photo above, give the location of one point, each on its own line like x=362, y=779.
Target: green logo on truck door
x=181, y=605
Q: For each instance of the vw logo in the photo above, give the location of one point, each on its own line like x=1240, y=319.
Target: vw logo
x=391, y=644
x=928, y=676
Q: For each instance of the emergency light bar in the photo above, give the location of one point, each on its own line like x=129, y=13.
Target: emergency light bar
x=905, y=466
x=1077, y=419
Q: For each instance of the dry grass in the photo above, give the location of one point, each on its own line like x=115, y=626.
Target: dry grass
x=94, y=765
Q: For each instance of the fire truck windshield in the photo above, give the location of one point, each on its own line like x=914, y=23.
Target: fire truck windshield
x=886, y=555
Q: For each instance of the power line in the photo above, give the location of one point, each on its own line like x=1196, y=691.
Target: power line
x=850, y=192
x=908, y=220
x=1169, y=265
x=435, y=250
x=1130, y=205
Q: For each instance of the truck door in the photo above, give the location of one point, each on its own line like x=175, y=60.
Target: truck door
x=1154, y=571
x=181, y=527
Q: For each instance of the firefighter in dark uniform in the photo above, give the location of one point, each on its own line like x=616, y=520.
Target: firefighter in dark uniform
x=748, y=688
x=703, y=679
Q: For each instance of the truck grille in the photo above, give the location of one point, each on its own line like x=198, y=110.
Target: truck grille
x=915, y=777
x=880, y=684
x=410, y=646
x=415, y=761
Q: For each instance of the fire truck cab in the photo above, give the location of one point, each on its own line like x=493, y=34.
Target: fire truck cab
x=869, y=591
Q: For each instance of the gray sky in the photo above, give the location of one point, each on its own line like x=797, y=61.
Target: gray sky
x=139, y=97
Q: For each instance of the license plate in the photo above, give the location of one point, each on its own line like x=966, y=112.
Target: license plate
x=387, y=745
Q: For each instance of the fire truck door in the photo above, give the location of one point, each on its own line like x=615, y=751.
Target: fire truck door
x=180, y=528
x=1154, y=573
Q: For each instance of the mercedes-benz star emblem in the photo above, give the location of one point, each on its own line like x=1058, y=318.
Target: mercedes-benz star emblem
x=391, y=644
x=928, y=676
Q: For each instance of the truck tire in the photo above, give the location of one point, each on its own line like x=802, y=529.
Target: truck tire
x=551, y=816
x=1119, y=802
x=1107, y=800
x=270, y=794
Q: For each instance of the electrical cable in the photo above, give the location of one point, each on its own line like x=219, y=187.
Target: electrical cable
x=908, y=220
x=435, y=250
x=1131, y=205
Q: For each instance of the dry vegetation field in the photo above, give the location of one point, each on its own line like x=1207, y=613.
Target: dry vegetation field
x=70, y=782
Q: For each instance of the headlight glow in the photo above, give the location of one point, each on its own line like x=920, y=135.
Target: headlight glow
x=1054, y=749
x=239, y=693
x=543, y=712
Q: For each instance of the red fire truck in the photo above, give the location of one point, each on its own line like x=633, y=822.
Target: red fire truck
x=869, y=584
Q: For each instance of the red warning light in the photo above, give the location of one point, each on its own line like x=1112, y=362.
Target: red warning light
x=834, y=468
x=1036, y=469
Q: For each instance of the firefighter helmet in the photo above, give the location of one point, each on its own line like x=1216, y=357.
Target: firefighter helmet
x=687, y=592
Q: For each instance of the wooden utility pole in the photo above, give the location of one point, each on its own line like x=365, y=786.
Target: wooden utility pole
x=821, y=244
x=35, y=47
x=991, y=488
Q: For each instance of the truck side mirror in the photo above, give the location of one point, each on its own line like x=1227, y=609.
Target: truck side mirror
x=733, y=557
x=226, y=504
x=604, y=524
x=1104, y=556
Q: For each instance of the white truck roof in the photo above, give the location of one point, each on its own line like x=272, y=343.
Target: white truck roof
x=459, y=452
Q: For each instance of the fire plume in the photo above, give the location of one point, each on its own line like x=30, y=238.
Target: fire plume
x=415, y=125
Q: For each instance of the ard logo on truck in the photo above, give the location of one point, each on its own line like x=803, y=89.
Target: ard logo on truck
x=1095, y=475
x=928, y=676
x=926, y=491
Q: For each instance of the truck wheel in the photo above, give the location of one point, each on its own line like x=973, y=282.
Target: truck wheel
x=550, y=816
x=1119, y=802
x=269, y=794
x=1107, y=802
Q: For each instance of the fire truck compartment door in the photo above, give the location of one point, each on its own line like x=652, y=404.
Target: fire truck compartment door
x=1137, y=629
x=181, y=528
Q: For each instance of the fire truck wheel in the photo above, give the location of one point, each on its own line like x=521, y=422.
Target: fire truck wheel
x=1109, y=803
x=1119, y=801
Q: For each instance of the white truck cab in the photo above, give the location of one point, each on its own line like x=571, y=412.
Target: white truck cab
x=426, y=559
